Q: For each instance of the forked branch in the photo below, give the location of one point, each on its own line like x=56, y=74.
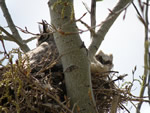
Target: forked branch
x=12, y=27
x=105, y=26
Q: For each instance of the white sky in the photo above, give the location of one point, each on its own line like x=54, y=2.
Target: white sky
x=125, y=40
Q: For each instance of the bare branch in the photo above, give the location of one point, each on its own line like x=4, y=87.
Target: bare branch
x=115, y=104
x=86, y=7
x=93, y=16
x=146, y=56
x=137, y=10
x=26, y=31
x=105, y=26
x=30, y=39
x=6, y=38
x=91, y=29
x=9, y=37
x=12, y=27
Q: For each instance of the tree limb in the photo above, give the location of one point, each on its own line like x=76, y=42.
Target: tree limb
x=6, y=38
x=93, y=16
x=12, y=27
x=9, y=37
x=30, y=39
x=105, y=26
x=146, y=73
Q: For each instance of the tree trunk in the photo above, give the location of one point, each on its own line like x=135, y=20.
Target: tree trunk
x=74, y=56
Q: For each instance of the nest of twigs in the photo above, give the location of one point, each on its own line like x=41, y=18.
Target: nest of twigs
x=42, y=89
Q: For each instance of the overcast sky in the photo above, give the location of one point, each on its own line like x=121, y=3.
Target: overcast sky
x=125, y=39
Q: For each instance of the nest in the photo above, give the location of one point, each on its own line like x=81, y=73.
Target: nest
x=41, y=89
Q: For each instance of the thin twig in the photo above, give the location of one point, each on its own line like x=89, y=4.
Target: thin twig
x=26, y=31
x=136, y=10
x=140, y=17
x=86, y=7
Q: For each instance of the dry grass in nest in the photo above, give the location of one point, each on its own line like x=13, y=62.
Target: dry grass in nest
x=104, y=91
x=33, y=91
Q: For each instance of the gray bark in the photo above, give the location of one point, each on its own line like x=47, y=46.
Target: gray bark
x=74, y=56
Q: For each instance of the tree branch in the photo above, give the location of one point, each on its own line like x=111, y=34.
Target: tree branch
x=93, y=16
x=6, y=38
x=146, y=58
x=30, y=39
x=86, y=7
x=115, y=104
x=105, y=26
x=12, y=27
x=9, y=37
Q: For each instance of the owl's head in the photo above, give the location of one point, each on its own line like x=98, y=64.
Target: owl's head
x=45, y=33
x=102, y=63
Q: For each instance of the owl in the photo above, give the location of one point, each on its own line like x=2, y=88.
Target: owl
x=46, y=49
x=46, y=52
x=102, y=63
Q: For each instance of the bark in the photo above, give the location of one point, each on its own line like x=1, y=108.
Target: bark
x=74, y=56
x=93, y=16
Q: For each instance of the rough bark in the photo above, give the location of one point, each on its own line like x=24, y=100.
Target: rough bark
x=74, y=56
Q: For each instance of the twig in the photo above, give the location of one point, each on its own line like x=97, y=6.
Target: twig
x=121, y=105
x=86, y=7
x=81, y=17
x=91, y=29
x=137, y=10
x=140, y=17
x=135, y=106
x=5, y=52
x=26, y=31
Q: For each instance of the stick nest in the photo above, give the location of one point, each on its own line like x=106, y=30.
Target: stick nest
x=41, y=89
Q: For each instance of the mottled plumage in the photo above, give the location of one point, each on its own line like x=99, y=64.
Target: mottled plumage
x=46, y=52
x=103, y=63
x=46, y=49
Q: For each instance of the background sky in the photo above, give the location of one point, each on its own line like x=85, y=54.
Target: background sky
x=125, y=39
